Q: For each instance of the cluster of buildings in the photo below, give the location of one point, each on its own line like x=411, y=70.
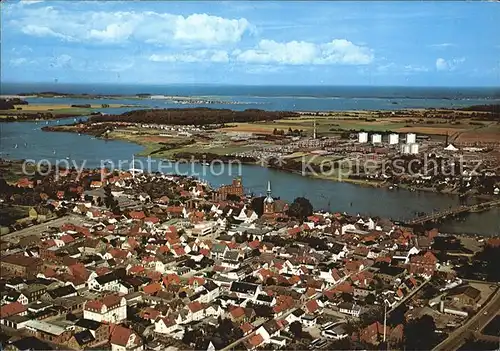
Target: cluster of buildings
x=189, y=267
x=410, y=146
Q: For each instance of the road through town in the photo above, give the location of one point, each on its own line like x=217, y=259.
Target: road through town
x=476, y=323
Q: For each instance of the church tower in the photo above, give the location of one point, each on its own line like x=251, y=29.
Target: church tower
x=269, y=201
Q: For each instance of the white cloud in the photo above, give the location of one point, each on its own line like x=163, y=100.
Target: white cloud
x=448, y=65
x=29, y=2
x=112, y=32
x=441, y=64
x=338, y=51
x=394, y=68
x=205, y=28
x=42, y=31
x=218, y=56
x=262, y=69
x=114, y=27
x=442, y=45
x=415, y=68
x=62, y=61
x=18, y=61
x=272, y=52
x=386, y=67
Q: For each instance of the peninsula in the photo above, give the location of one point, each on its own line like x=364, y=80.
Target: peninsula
x=329, y=145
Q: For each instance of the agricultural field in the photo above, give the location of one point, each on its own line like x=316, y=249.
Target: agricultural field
x=488, y=134
x=334, y=124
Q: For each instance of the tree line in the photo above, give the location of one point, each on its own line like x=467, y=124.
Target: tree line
x=10, y=104
x=194, y=116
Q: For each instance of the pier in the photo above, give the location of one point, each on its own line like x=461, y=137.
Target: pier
x=433, y=217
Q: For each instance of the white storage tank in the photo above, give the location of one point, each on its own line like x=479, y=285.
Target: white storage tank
x=413, y=149
x=411, y=138
x=376, y=139
x=405, y=149
x=363, y=137
x=393, y=139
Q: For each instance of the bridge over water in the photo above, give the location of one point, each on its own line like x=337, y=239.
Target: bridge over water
x=453, y=212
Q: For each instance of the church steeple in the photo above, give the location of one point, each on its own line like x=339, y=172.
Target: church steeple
x=269, y=198
x=269, y=201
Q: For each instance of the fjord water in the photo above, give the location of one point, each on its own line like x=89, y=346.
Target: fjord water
x=32, y=143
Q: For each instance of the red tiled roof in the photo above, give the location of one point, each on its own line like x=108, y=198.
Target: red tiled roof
x=153, y=220
x=11, y=309
x=120, y=335
x=93, y=305
x=312, y=306
x=246, y=328
x=195, y=306
x=49, y=243
x=179, y=251
x=117, y=253
x=132, y=243
x=102, y=270
x=152, y=288
x=79, y=270
x=254, y=244
x=49, y=272
x=66, y=238
x=256, y=340
x=171, y=278
x=237, y=312
x=174, y=209
x=204, y=252
x=137, y=214
x=136, y=269
x=149, y=313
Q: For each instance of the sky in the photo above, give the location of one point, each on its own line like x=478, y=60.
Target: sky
x=401, y=43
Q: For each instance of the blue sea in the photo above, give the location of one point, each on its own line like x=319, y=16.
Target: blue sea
x=297, y=98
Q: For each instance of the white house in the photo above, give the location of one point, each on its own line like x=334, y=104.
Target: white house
x=245, y=290
x=125, y=339
x=111, y=308
x=350, y=309
x=165, y=325
x=212, y=292
x=106, y=282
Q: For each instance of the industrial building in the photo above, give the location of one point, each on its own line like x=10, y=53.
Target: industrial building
x=393, y=139
x=411, y=138
x=363, y=137
x=410, y=149
x=376, y=139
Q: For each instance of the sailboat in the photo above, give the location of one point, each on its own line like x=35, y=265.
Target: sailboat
x=15, y=146
x=54, y=152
